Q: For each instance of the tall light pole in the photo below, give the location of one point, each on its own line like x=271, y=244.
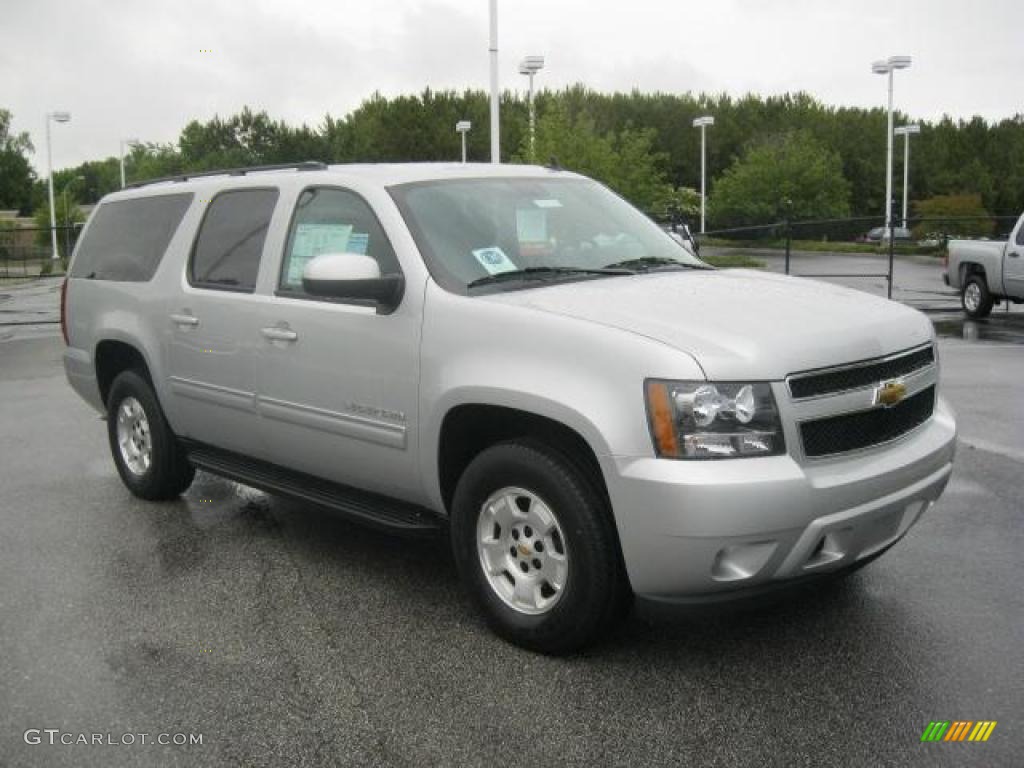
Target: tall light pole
x=57, y=117
x=703, y=123
x=463, y=127
x=888, y=67
x=495, y=129
x=906, y=131
x=530, y=66
x=126, y=143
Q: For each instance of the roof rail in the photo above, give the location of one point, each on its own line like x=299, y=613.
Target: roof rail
x=307, y=165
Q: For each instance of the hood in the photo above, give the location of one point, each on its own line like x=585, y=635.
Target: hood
x=739, y=324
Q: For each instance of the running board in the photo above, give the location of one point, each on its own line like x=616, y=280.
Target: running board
x=372, y=509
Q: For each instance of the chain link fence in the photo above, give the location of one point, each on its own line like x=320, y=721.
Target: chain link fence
x=848, y=250
x=27, y=252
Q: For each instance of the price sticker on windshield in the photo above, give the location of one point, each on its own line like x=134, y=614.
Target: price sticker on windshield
x=494, y=260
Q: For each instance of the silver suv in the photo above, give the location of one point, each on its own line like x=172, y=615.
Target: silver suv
x=514, y=356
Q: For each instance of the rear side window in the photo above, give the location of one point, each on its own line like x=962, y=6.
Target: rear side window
x=126, y=239
x=227, y=251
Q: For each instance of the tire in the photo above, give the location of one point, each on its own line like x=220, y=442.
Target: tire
x=975, y=297
x=146, y=453
x=580, y=588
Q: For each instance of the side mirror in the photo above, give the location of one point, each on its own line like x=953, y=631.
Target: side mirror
x=352, y=276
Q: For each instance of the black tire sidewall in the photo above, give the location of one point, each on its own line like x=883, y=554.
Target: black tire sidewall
x=594, y=563
x=169, y=473
x=984, y=305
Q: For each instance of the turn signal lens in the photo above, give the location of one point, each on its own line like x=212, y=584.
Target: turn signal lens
x=660, y=412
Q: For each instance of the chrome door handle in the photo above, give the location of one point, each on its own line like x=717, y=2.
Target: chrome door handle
x=184, y=320
x=277, y=333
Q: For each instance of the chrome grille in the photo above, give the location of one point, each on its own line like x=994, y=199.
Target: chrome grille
x=863, y=429
x=858, y=375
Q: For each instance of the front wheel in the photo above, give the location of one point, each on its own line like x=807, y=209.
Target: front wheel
x=146, y=452
x=536, y=546
x=975, y=297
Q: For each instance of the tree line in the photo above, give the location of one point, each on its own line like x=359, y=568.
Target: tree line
x=768, y=157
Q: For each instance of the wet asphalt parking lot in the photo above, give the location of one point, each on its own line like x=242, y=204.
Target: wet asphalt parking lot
x=286, y=636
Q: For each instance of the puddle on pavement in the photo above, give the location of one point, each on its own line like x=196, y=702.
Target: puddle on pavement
x=999, y=327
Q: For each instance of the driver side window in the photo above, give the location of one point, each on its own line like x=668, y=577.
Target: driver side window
x=332, y=220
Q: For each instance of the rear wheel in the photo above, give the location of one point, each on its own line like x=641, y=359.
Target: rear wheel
x=535, y=544
x=146, y=453
x=975, y=297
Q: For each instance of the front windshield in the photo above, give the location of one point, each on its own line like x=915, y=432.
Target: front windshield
x=501, y=231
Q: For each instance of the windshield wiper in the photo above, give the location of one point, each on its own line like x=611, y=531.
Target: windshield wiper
x=647, y=263
x=539, y=273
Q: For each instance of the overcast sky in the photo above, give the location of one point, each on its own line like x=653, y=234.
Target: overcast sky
x=139, y=68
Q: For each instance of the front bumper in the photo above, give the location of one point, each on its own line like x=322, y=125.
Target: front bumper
x=707, y=530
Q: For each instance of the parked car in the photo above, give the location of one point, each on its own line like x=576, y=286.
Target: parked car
x=987, y=272
x=880, y=235
x=517, y=358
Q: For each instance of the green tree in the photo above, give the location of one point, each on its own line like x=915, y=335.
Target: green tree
x=677, y=202
x=958, y=215
x=790, y=175
x=623, y=160
x=16, y=175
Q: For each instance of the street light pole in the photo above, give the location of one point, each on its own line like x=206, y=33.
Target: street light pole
x=888, y=67
x=906, y=131
x=495, y=129
x=130, y=143
x=530, y=66
x=703, y=123
x=60, y=117
x=463, y=127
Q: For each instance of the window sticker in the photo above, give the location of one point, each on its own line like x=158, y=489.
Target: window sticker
x=312, y=240
x=532, y=225
x=494, y=260
x=358, y=242
x=548, y=203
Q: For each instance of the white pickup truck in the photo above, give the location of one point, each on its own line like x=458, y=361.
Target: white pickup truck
x=987, y=272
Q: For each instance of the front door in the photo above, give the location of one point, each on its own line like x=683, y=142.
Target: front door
x=338, y=382
x=213, y=324
x=1013, y=266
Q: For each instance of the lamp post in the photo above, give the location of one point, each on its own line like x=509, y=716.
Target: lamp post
x=906, y=131
x=57, y=117
x=126, y=143
x=530, y=66
x=495, y=130
x=703, y=123
x=888, y=67
x=463, y=127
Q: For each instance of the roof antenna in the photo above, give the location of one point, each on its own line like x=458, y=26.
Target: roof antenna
x=553, y=164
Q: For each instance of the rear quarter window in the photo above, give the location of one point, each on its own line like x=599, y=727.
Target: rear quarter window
x=127, y=239
x=229, y=246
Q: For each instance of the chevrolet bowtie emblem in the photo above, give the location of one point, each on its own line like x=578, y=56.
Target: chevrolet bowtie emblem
x=888, y=393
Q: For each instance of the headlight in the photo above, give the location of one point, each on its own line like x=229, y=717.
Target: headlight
x=702, y=420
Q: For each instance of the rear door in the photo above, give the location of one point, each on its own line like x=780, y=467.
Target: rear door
x=337, y=381
x=1013, y=263
x=213, y=323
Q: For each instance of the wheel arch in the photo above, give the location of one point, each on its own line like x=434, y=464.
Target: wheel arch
x=114, y=355
x=470, y=427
